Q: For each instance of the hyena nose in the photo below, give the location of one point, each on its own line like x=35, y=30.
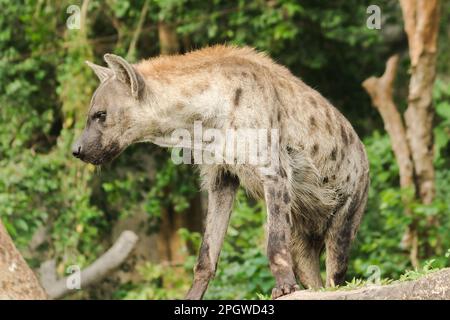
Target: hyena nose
x=76, y=151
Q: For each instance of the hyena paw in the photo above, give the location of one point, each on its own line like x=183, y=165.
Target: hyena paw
x=281, y=290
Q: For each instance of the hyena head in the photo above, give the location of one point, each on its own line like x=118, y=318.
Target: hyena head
x=113, y=116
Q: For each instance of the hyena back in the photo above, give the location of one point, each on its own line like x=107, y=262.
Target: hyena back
x=315, y=198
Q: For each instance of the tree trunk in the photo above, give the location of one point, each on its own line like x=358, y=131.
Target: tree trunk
x=422, y=26
x=17, y=281
x=413, y=146
x=168, y=39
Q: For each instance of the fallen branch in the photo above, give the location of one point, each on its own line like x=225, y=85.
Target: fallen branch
x=109, y=261
x=432, y=286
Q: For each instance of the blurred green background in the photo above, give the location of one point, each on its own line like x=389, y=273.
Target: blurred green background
x=56, y=207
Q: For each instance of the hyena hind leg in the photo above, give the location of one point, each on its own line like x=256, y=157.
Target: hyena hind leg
x=306, y=259
x=340, y=237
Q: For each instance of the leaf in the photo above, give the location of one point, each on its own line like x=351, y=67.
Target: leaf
x=21, y=224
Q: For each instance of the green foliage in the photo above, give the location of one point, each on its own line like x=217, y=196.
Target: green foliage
x=158, y=282
x=416, y=274
x=442, y=130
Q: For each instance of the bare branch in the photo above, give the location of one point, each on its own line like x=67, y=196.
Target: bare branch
x=380, y=90
x=109, y=261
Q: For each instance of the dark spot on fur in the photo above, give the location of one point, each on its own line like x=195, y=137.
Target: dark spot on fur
x=325, y=180
x=272, y=192
x=279, y=194
x=328, y=114
x=179, y=106
x=195, y=117
x=275, y=210
x=201, y=87
x=315, y=149
x=312, y=123
x=361, y=150
x=333, y=154
x=312, y=101
x=237, y=96
x=344, y=135
x=348, y=178
x=328, y=126
x=286, y=197
x=333, y=177
x=351, y=137
x=315, y=238
x=277, y=96
x=288, y=218
x=186, y=92
x=204, y=262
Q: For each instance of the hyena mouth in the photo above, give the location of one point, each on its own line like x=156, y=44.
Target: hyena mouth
x=104, y=156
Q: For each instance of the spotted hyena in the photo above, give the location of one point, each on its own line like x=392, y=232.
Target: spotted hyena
x=316, y=194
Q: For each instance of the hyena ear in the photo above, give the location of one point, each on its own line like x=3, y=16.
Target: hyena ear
x=126, y=73
x=101, y=72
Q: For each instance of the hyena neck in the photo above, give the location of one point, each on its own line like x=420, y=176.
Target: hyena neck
x=176, y=102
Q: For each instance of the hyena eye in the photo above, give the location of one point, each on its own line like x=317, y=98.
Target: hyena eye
x=100, y=116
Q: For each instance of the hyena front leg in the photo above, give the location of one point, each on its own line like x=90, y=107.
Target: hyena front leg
x=279, y=233
x=221, y=194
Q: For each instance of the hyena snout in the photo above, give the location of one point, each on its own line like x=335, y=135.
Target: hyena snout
x=77, y=150
x=91, y=149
